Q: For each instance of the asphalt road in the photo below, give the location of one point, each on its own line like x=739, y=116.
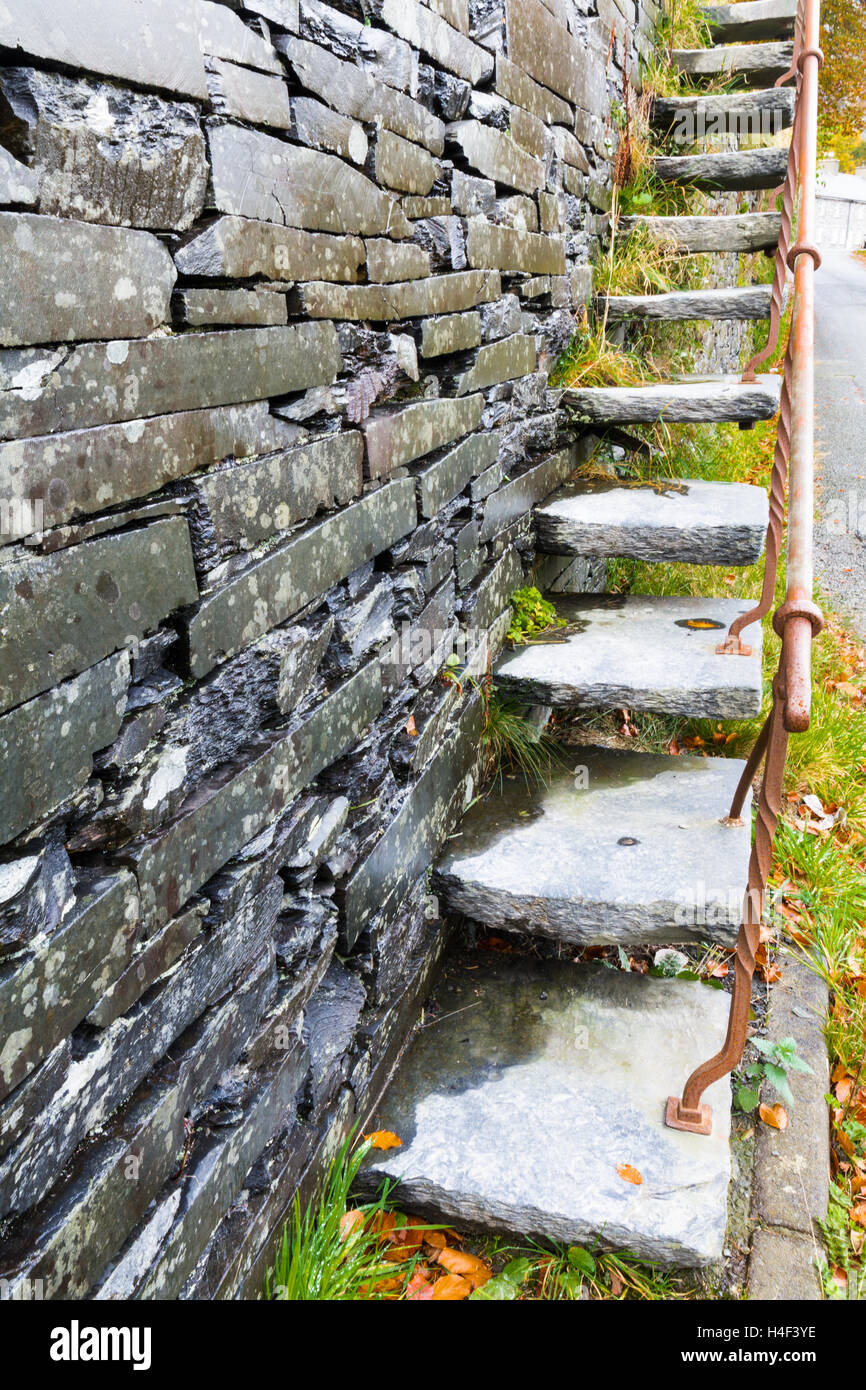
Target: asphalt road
x=840, y=432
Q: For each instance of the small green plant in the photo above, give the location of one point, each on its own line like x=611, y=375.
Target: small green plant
x=531, y=615
x=840, y=1276
x=322, y=1257
x=776, y=1060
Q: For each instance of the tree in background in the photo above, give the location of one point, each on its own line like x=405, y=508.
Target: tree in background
x=842, y=91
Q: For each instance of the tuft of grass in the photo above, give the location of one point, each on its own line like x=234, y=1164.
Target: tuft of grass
x=511, y=743
x=322, y=1258
x=592, y=359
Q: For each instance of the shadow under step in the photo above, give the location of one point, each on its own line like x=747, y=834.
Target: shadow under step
x=752, y=19
x=745, y=231
x=733, y=169
x=747, y=302
x=535, y=1081
x=618, y=848
x=686, y=521
x=726, y=113
x=758, y=64
x=705, y=401
x=639, y=652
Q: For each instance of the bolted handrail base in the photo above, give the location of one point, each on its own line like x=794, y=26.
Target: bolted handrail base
x=698, y=1121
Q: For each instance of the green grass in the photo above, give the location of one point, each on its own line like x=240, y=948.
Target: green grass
x=318, y=1260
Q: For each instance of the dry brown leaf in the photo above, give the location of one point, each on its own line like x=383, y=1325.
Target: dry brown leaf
x=435, y=1240
x=776, y=1116
x=616, y=1283
x=451, y=1288
x=419, y=1289
x=629, y=1174
x=350, y=1222
x=382, y=1224
x=469, y=1266
x=384, y=1139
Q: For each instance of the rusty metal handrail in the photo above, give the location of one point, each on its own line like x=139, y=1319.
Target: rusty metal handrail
x=797, y=621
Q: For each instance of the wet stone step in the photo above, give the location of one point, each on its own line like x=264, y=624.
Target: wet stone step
x=751, y=19
x=730, y=170
x=686, y=520
x=743, y=231
x=640, y=653
x=538, y=1079
x=758, y=64
x=735, y=113
x=720, y=398
x=743, y=302
x=617, y=848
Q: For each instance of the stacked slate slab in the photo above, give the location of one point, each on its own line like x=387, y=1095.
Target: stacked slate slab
x=280, y=288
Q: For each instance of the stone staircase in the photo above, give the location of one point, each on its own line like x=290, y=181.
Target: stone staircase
x=539, y=1078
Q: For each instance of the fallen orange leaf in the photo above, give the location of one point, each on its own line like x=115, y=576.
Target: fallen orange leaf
x=629, y=1174
x=419, y=1288
x=384, y=1139
x=451, y=1288
x=776, y=1116
x=350, y=1222
x=469, y=1266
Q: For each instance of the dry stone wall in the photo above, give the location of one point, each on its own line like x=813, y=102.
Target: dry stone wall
x=280, y=285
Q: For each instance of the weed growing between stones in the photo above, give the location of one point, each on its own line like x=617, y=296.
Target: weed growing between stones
x=330, y=1254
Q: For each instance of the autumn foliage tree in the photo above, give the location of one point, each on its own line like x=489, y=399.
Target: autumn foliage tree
x=842, y=91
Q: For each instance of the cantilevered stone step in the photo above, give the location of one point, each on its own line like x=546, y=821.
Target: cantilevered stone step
x=730, y=170
x=640, y=652
x=751, y=19
x=537, y=1080
x=722, y=398
x=747, y=231
x=748, y=302
x=620, y=848
x=728, y=113
x=757, y=64
x=687, y=520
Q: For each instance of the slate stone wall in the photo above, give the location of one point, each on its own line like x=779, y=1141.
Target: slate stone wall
x=280, y=284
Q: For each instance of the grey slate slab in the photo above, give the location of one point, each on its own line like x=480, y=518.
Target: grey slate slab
x=620, y=847
x=153, y=43
x=221, y=816
x=141, y=163
x=64, y=612
x=46, y=991
x=82, y=471
x=757, y=64
x=279, y=583
x=747, y=112
x=642, y=653
x=239, y=247
x=741, y=302
x=751, y=19
x=62, y=280
x=43, y=392
x=747, y=231
x=730, y=170
x=687, y=520
x=722, y=398
x=538, y=1079
x=47, y=744
x=256, y=175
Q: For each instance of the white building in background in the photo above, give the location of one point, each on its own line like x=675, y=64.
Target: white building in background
x=840, y=206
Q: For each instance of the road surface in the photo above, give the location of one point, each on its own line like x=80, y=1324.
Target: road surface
x=840, y=432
